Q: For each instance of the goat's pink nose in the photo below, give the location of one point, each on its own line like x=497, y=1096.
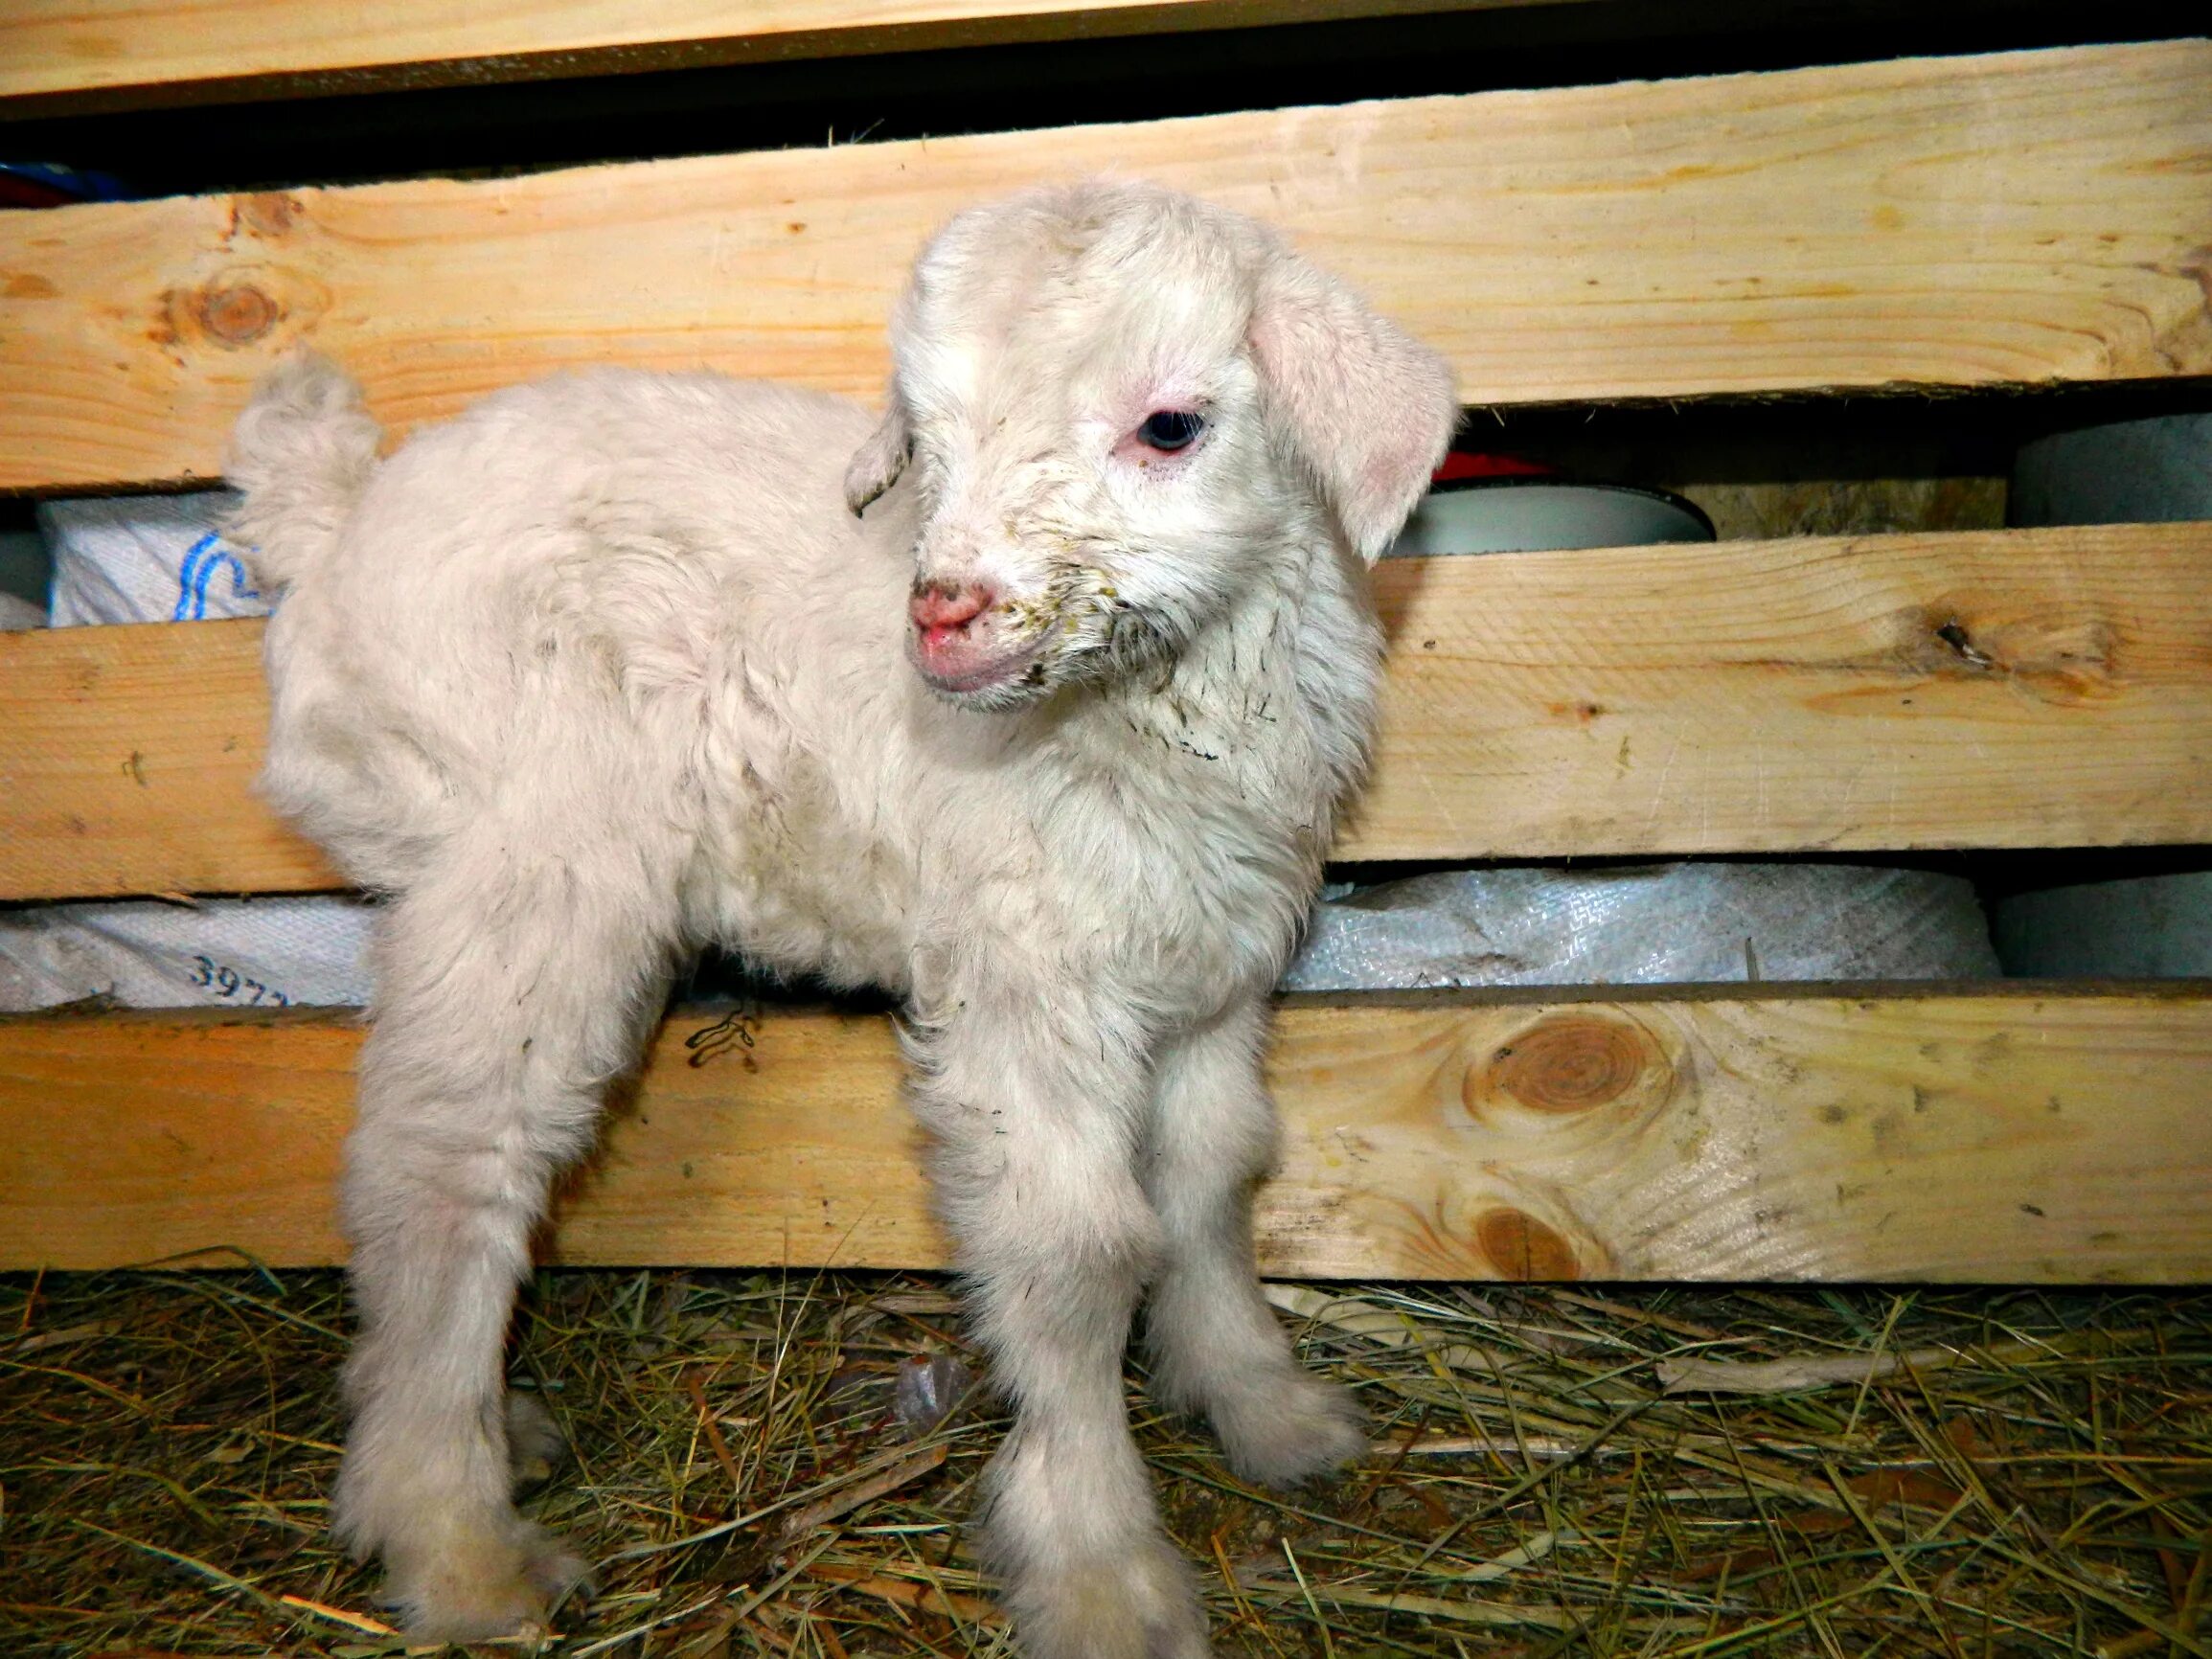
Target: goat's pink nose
x=939, y=612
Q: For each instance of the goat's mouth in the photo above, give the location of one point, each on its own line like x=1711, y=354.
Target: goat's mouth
x=1076, y=628
x=967, y=674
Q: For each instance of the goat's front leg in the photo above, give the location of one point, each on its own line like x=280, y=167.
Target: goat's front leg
x=512, y=983
x=1216, y=1345
x=1035, y=1108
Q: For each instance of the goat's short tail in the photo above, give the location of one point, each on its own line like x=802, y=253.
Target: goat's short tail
x=302, y=453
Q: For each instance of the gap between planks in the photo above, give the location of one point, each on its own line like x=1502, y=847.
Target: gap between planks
x=72, y=57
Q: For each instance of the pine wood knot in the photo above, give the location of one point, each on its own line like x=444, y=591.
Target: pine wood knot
x=266, y=213
x=1516, y=1245
x=1568, y=1063
x=237, y=316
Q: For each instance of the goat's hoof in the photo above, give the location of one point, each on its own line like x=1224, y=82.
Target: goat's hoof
x=1141, y=1605
x=536, y=1446
x=472, y=1590
x=1292, y=1428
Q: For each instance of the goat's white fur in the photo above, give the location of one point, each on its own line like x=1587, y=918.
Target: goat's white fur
x=614, y=665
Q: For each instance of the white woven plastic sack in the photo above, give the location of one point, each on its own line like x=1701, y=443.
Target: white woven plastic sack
x=1651, y=925
x=233, y=952
x=146, y=558
x=162, y=559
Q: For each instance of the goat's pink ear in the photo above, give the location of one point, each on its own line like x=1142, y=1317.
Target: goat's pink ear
x=876, y=464
x=1370, y=408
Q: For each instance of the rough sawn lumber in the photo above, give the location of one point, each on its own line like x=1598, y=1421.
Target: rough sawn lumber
x=1743, y=1132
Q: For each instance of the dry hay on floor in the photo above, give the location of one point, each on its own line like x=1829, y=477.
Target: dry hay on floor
x=1956, y=1473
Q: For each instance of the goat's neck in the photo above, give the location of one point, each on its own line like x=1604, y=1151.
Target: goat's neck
x=1266, y=689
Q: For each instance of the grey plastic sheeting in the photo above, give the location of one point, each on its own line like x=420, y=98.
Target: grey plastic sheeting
x=1650, y=924
x=1521, y=926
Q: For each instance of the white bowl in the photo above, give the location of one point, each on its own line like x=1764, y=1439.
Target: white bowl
x=1532, y=514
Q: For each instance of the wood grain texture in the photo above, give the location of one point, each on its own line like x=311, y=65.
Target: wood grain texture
x=2034, y=1136
x=1983, y=688
x=59, y=55
x=2018, y=218
x=127, y=759
x=1978, y=689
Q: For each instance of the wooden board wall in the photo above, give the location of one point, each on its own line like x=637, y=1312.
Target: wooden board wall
x=2046, y=688
x=59, y=55
x=1832, y=1133
x=2018, y=219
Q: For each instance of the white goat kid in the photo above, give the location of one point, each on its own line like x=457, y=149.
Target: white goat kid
x=1049, y=742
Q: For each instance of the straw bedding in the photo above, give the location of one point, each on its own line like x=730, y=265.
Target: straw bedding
x=1556, y=1471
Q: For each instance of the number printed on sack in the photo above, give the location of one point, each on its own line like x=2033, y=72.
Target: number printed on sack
x=212, y=975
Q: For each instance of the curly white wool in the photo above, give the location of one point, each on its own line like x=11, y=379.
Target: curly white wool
x=615, y=664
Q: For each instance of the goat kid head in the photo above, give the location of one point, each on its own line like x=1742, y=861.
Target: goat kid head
x=1121, y=406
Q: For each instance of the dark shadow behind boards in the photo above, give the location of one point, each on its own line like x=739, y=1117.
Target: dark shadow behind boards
x=329, y=132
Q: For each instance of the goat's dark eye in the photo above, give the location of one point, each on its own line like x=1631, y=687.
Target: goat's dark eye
x=1171, y=428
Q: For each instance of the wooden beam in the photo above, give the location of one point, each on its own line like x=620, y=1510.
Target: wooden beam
x=1842, y=1133
x=62, y=57
x=2025, y=218
x=1987, y=689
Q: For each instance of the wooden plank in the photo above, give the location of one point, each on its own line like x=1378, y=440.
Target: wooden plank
x=68, y=56
x=2043, y=688
x=127, y=759
x=1978, y=688
x=1830, y=1133
x=2023, y=217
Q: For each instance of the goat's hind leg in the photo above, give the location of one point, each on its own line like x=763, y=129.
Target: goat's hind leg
x=512, y=985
